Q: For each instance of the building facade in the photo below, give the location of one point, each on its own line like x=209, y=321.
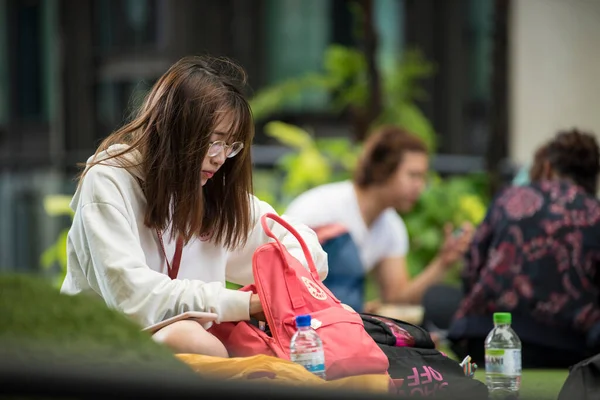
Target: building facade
x=75, y=69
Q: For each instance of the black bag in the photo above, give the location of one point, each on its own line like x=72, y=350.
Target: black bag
x=416, y=367
x=583, y=382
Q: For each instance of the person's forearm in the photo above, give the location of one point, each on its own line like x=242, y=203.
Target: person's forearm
x=413, y=292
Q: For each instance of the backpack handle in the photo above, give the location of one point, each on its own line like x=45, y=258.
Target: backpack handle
x=286, y=225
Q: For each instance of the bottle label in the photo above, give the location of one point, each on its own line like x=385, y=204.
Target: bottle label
x=505, y=362
x=314, y=362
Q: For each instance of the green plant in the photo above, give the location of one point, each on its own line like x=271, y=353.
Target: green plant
x=315, y=161
x=312, y=161
x=454, y=200
x=56, y=254
x=345, y=79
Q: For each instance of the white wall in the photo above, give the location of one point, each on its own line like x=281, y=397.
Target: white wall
x=555, y=71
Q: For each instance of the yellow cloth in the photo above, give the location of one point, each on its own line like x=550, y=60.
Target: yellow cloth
x=261, y=368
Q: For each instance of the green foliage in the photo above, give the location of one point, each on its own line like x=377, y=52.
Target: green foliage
x=56, y=254
x=313, y=162
x=273, y=98
x=454, y=200
x=401, y=90
x=345, y=79
x=537, y=383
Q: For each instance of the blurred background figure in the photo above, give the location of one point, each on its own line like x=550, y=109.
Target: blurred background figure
x=359, y=227
x=439, y=313
x=536, y=255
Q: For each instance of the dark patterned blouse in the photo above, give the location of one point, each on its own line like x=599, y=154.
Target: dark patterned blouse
x=536, y=254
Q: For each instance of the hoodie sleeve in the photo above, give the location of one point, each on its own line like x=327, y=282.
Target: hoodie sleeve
x=239, y=264
x=114, y=266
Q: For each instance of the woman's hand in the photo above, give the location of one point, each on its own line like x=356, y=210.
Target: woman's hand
x=455, y=244
x=256, y=309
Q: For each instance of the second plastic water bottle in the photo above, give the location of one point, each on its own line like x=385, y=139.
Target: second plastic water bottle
x=306, y=347
x=503, y=359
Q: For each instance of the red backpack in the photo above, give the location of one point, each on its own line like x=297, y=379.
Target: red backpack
x=287, y=289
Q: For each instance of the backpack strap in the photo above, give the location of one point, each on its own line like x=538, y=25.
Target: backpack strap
x=286, y=225
x=292, y=282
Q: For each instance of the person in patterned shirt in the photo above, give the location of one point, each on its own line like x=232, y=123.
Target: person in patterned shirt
x=536, y=255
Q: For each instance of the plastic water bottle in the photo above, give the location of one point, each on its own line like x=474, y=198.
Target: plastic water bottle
x=503, y=359
x=306, y=347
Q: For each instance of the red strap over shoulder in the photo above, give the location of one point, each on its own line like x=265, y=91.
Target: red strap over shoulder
x=173, y=268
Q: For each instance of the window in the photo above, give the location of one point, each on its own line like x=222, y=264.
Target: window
x=342, y=27
x=122, y=29
x=457, y=36
x=388, y=23
x=27, y=41
x=123, y=25
x=299, y=31
x=116, y=101
x=480, y=45
x=4, y=80
x=297, y=34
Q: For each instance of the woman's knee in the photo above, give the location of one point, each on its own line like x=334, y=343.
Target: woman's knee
x=191, y=338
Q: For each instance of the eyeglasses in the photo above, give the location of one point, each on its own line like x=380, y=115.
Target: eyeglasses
x=231, y=150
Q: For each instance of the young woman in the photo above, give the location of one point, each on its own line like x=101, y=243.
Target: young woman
x=359, y=226
x=164, y=213
x=536, y=255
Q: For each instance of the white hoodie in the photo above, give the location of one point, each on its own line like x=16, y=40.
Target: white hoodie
x=112, y=254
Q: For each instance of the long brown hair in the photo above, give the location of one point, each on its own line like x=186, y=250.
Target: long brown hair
x=172, y=131
x=383, y=152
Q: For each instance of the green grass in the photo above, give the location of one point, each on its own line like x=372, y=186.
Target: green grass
x=537, y=384
x=37, y=322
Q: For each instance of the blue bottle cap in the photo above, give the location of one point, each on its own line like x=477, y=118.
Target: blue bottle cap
x=302, y=320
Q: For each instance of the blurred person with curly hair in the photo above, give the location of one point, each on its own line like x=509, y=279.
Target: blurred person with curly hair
x=535, y=255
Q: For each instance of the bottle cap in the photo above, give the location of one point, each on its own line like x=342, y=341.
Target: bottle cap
x=302, y=320
x=502, y=318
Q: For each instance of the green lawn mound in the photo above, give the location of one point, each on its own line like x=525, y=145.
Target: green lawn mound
x=39, y=323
